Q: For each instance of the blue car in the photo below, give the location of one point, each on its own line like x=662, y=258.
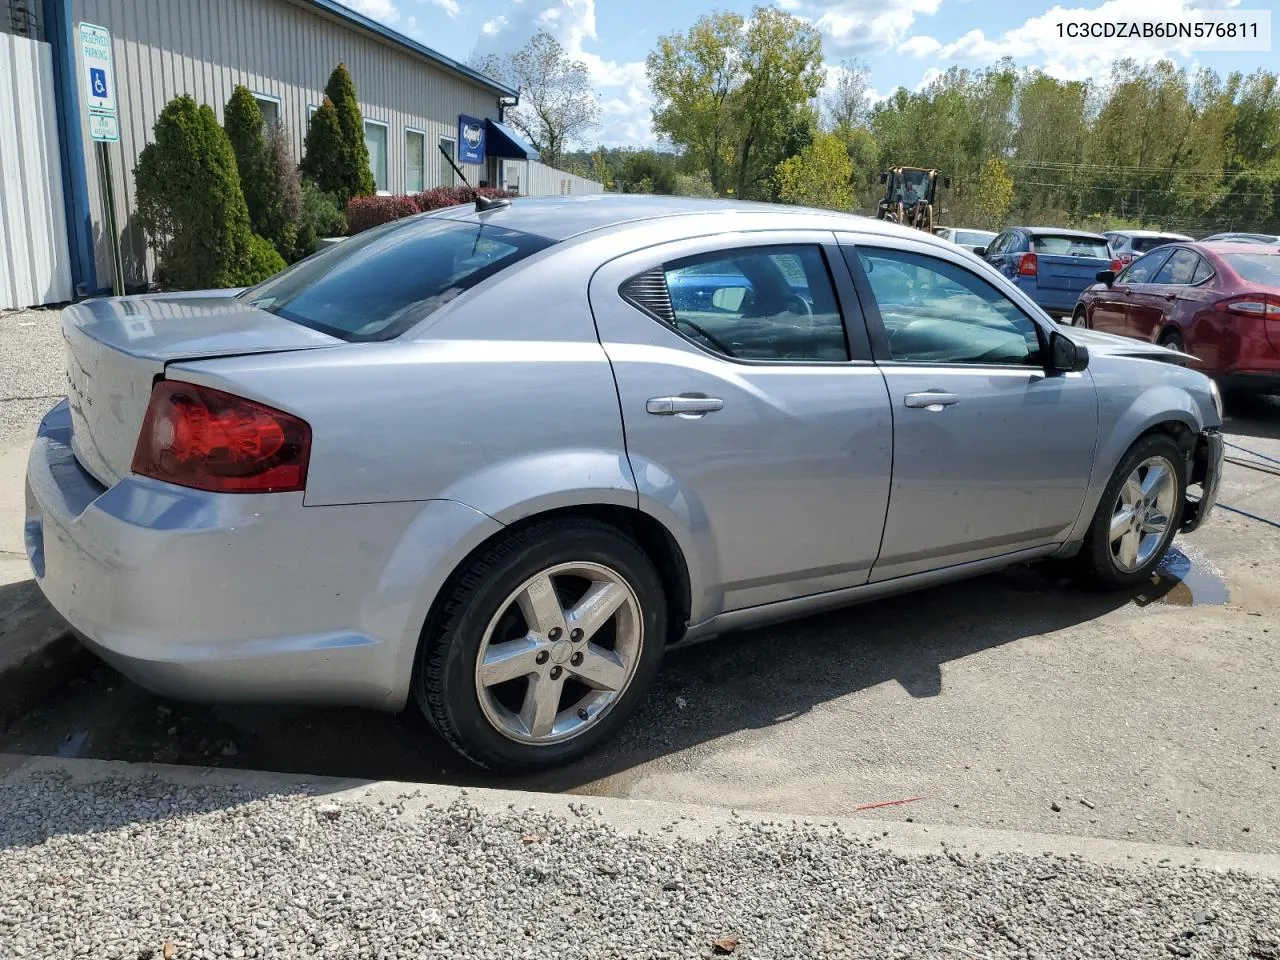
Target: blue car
x=1051, y=265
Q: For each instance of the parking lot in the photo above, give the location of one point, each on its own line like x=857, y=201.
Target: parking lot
x=1015, y=701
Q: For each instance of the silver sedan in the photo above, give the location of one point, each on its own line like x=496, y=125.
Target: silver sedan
x=498, y=459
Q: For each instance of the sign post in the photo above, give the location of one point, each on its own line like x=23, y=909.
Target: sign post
x=99, y=80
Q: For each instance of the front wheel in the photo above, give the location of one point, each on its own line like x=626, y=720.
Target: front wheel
x=1140, y=510
x=547, y=641
x=1077, y=318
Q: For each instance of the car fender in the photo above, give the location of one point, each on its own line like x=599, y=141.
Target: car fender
x=1124, y=414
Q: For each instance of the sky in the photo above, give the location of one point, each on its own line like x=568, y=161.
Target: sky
x=904, y=42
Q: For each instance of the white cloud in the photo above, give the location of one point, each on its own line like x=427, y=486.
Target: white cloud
x=864, y=26
x=448, y=6
x=930, y=75
x=621, y=86
x=919, y=46
x=383, y=10
x=1040, y=41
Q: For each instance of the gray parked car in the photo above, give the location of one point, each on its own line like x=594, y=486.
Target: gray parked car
x=497, y=461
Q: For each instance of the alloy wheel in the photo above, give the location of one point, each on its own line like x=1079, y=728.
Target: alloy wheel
x=1142, y=512
x=559, y=653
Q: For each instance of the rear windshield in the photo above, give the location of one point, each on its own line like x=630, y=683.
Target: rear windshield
x=1143, y=244
x=975, y=237
x=377, y=284
x=1260, y=268
x=1071, y=246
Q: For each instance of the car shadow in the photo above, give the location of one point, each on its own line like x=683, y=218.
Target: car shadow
x=1252, y=415
x=744, y=681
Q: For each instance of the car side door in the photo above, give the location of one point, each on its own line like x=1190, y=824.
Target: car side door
x=758, y=423
x=1110, y=312
x=992, y=453
x=1142, y=296
x=1157, y=300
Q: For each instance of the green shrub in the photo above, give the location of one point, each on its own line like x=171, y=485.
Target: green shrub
x=261, y=261
x=281, y=220
x=337, y=158
x=190, y=204
x=242, y=119
x=321, y=217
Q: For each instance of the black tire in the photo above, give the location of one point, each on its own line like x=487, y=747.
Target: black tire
x=1078, y=318
x=1096, y=560
x=1172, y=339
x=444, y=672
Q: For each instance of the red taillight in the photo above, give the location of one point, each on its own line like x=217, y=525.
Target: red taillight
x=1027, y=266
x=203, y=438
x=1250, y=305
x=1118, y=264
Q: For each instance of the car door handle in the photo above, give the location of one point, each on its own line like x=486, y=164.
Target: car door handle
x=930, y=400
x=688, y=406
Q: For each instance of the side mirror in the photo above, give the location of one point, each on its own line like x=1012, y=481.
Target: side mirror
x=979, y=251
x=1106, y=276
x=729, y=298
x=1065, y=355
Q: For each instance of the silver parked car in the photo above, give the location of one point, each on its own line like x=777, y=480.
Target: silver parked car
x=975, y=241
x=497, y=461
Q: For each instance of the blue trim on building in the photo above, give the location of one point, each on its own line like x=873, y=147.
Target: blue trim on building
x=412, y=46
x=59, y=31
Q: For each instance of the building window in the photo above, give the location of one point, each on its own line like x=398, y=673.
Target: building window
x=415, y=157
x=447, y=176
x=270, y=107
x=375, y=138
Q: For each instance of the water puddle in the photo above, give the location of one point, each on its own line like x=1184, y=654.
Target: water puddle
x=1180, y=581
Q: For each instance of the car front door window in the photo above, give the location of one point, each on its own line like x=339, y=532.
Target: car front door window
x=1144, y=269
x=934, y=311
x=1179, y=269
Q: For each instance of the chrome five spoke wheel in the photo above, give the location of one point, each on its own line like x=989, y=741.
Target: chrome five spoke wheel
x=1141, y=515
x=560, y=651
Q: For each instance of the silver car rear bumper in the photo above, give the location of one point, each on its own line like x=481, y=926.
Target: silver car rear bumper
x=227, y=597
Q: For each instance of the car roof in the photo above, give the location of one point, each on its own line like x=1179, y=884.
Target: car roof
x=1226, y=246
x=1149, y=233
x=1061, y=232
x=561, y=217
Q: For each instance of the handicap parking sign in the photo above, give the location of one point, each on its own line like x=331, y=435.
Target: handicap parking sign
x=95, y=56
x=98, y=81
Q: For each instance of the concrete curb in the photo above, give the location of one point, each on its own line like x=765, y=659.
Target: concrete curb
x=663, y=820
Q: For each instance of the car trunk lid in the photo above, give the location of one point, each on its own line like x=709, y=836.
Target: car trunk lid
x=116, y=348
x=1059, y=272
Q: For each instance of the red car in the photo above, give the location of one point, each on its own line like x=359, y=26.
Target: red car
x=1219, y=302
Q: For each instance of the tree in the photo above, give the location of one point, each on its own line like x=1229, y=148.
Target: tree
x=557, y=104
x=990, y=195
x=731, y=90
x=819, y=176
x=283, y=213
x=242, y=119
x=191, y=207
x=337, y=158
x=845, y=103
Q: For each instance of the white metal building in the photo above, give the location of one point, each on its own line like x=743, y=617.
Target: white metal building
x=414, y=101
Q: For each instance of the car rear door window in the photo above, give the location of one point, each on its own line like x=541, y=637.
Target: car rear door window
x=755, y=303
x=934, y=311
x=1203, y=271
x=1144, y=269
x=1179, y=269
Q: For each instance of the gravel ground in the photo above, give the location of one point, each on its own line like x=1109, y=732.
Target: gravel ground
x=138, y=867
x=31, y=379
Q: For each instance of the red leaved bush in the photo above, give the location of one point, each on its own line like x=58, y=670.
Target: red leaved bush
x=366, y=212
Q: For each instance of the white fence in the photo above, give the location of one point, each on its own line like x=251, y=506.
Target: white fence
x=35, y=260
x=534, y=179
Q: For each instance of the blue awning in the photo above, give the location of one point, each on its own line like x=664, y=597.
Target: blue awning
x=502, y=141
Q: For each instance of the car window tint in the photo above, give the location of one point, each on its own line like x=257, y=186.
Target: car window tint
x=1143, y=269
x=761, y=303
x=1203, y=271
x=1066, y=246
x=1179, y=268
x=1260, y=268
x=1147, y=244
x=936, y=312
x=972, y=236
x=377, y=284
